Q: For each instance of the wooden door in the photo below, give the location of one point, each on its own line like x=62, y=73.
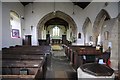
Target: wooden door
x=27, y=40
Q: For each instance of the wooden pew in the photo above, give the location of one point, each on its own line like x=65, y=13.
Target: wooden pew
x=77, y=53
x=26, y=55
x=15, y=65
x=13, y=68
x=22, y=57
x=30, y=50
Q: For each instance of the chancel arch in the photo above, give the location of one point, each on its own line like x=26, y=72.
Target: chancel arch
x=98, y=24
x=58, y=16
x=87, y=30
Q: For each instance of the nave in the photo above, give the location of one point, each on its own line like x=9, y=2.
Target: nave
x=88, y=38
x=44, y=63
x=60, y=67
x=34, y=63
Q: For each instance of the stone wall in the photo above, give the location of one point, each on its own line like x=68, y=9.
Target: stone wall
x=111, y=26
x=119, y=35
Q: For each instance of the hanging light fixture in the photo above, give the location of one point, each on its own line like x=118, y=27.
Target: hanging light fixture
x=32, y=8
x=73, y=13
x=54, y=12
x=32, y=11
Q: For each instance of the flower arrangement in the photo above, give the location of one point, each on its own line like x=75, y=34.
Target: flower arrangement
x=73, y=39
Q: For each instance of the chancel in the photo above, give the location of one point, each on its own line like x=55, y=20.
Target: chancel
x=69, y=40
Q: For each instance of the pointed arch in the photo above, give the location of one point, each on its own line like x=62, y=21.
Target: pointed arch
x=100, y=18
x=98, y=23
x=86, y=25
x=15, y=24
x=60, y=15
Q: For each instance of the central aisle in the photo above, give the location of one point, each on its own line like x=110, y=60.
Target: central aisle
x=60, y=67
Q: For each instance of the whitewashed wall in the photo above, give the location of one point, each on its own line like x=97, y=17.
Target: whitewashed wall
x=88, y=33
x=94, y=8
x=41, y=9
x=119, y=39
x=0, y=37
x=0, y=25
x=6, y=32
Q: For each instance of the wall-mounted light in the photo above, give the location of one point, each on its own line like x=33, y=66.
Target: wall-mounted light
x=32, y=8
x=22, y=17
x=73, y=13
x=31, y=27
x=106, y=4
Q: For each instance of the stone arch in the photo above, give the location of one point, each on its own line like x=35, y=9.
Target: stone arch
x=14, y=13
x=86, y=24
x=60, y=15
x=98, y=23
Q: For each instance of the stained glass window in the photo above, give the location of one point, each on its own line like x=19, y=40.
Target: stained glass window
x=56, y=31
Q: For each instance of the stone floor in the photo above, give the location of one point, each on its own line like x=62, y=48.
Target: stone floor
x=60, y=67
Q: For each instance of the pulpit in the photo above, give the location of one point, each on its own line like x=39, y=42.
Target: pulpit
x=64, y=39
x=48, y=38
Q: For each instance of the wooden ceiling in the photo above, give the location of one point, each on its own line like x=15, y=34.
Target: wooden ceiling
x=82, y=5
x=25, y=3
x=56, y=21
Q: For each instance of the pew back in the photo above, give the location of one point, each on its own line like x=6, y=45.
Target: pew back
x=31, y=58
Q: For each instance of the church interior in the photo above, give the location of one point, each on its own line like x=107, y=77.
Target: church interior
x=71, y=40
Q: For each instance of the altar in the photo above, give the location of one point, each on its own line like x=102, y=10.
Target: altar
x=56, y=41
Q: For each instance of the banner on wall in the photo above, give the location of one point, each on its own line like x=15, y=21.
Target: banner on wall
x=15, y=33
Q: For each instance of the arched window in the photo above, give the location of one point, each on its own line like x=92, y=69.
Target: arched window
x=79, y=35
x=15, y=25
x=106, y=35
x=56, y=31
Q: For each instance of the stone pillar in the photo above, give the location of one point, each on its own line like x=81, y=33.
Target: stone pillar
x=84, y=38
x=119, y=40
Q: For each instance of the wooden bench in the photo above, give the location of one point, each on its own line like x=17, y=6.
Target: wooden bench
x=13, y=67
x=34, y=58
x=76, y=54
